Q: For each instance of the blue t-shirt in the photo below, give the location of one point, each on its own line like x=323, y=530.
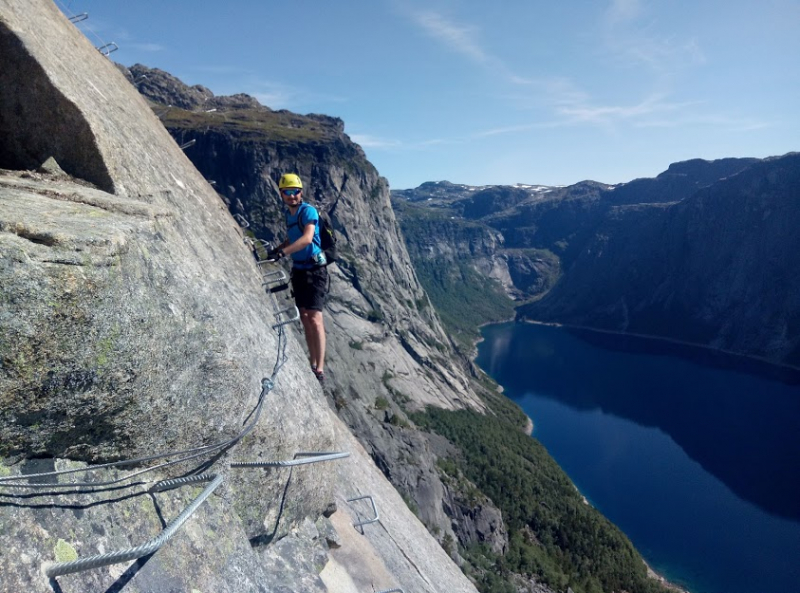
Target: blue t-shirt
x=312, y=255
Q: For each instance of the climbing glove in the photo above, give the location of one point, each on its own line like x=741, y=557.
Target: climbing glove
x=275, y=254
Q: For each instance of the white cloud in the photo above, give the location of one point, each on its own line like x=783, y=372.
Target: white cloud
x=147, y=47
x=514, y=129
x=609, y=114
x=464, y=40
x=458, y=38
x=633, y=40
x=623, y=11
x=276, y=99
x=724, y=122
x=375, y=142
x=279, y=95
x=368, y=141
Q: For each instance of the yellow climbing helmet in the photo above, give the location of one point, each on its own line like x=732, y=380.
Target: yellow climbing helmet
x=290, y=180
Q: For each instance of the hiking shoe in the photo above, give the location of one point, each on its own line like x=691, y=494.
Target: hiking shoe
x=320, y=375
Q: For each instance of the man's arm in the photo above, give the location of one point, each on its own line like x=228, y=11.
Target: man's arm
x=304, y=241
x=287, y=249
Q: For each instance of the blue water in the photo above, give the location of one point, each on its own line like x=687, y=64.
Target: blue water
x=693, y=454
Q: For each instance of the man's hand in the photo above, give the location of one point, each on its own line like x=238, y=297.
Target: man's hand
x=275, y=254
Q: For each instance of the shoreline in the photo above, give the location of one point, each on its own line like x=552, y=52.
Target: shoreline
x=655, y=338
x=652, y=574
x=529, y=427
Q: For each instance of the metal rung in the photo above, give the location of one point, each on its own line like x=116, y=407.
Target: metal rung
x=89, y=562
x=188, y=144
x=267, y=245
x=391, y=591
x=239, y=218
x=79, y=17
x=280, y=278
x=374, y=510
x=108, y=48
x=178, y=482
x=296, y=316
x=315, y=457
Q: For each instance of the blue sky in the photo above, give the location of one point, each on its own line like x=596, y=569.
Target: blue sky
x=476, y=92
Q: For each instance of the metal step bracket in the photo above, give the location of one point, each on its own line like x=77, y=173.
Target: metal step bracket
x=374, y=510
x=108, y=48
x=295, y=316
x=274, y=277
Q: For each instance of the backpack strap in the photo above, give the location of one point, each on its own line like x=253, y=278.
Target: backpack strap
x=299, y=219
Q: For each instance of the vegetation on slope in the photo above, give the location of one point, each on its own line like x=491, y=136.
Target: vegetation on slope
x=463, y=298
x=554, y=536
x=252, y=124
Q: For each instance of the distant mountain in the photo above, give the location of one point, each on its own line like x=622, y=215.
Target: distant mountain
x=704, y=252
x=720, y=267
x=679, y=181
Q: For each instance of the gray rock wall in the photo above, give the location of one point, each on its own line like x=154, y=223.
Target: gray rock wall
x=133, y=322
x=387, y=352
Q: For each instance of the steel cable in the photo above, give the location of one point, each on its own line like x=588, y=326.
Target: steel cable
x=186, y=454
x=62, y=568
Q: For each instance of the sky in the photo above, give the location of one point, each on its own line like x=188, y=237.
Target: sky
x=485, y=93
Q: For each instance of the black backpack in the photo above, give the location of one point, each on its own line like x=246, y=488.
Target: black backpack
x=327, y=238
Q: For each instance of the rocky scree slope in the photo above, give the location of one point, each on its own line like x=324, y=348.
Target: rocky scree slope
x=133, y=322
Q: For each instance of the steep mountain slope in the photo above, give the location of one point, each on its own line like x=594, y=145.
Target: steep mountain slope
x=389, y=358
x=387, y=353
x=134, y=324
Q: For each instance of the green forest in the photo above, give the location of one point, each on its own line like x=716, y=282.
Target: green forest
x=554, y=535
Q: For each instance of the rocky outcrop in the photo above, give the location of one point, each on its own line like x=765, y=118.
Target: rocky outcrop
x=133, y=322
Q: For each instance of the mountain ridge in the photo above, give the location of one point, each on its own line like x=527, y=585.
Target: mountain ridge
x=570, y=222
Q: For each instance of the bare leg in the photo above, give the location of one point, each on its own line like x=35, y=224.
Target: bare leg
x=314, y=328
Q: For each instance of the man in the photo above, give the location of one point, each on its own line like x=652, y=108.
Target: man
x=309, y=274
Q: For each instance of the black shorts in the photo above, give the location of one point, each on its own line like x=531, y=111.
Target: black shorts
x=310, y=288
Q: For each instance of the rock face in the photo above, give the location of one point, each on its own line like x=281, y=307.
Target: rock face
x=133, y=322
x=388, y=355
x=387, y=352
